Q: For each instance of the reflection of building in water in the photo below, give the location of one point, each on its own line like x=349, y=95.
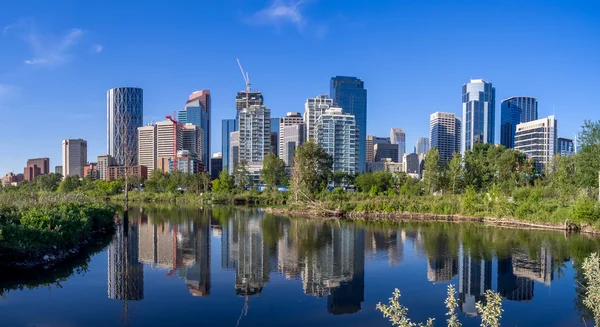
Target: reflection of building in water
x=253, y=261
x=510, y=286
x=158, y=246
x=229, y=244
x=125, y=272
x=194, y=242
x=395, y=249
x=441, y=268
x=288, y=256
x=416, y=237
x=539, y=269
x=384, y=241
x=475, y=277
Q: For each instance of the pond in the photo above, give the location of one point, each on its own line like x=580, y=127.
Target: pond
x=223, y=266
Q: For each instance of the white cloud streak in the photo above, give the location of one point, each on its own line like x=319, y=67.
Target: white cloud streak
x=52, y=50
x=281, y=12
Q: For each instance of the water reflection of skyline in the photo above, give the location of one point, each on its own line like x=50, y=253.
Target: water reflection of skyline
x=328, y=258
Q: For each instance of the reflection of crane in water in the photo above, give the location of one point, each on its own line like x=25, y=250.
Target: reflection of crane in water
x=244, y=310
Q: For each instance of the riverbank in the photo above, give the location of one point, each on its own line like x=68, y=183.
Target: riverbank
x=35, y=235
x=399, y=217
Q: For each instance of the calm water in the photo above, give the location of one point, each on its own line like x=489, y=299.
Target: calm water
x=182, y=266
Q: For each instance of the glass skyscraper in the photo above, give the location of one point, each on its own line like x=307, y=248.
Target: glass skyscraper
x=514, y=111
x=444, y=132
x=478, y=113
x=228, y=126
x=566, y=147
x=125, y=113
x=337, y=135
x=349, y=93
x=197, y=112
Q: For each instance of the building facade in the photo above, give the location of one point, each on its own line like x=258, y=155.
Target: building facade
x=478, y=113
x=444, y=133
x=74, y=156
x=291, y=135
x=165, y=147
x=349, y=93
x=254, y=133
x=371, y=141
x=104, y=162
x=42, y=163
x=397, y=136
x=193, y=141
x=187, y=163
x=114, y=172
x=216, y=165
x=228, y=126
x=234, y=151
x=58, y=170
x=538, y=139
x=91, y=170
x=422, y=145
x=125, y=113
x=566, y=147
x=337, y=134
x=514, y=111
x=412, y=165
x=383, y=151
x=313, y=109
x=197, y=112
x=275, y=136
x=147, y=147
x=31, y=172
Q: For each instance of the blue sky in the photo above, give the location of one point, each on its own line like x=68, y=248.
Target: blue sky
x=58, y=58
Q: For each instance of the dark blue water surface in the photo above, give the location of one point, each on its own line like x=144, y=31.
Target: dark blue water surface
x=184, y=266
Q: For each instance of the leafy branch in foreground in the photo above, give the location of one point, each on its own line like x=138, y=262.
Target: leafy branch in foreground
x=491, y=312
x=591, y=272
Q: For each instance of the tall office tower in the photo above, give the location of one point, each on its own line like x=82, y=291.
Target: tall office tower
x=397, y=136
x=275, y=136
x=371, y=141
x=566, y=146
x=74, y=157
x=42, y=163
x=383, y=151
x=337, y=134
x=146, y=147
x=292, y=134
x=104, y=162
x=193, y=141
x=474, y=279
x=538, y=139
x=478, y=113
x=164, y=139
x=313, y=109
x=422, y=146
x=228, y=126
x=234, y=151
x=254, y=133
x=197, y=112
x=216, y=165
x=444, y=133
x=125, y=113
x=514, y=111
x=349, y=93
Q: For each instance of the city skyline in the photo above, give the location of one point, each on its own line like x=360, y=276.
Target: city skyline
x=561, y=65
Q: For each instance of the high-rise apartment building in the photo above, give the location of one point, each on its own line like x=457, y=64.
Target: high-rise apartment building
x=104, y=162
x=125, y=112
x=234, y=151
x=397, y=136
x=444, y=133
x=74, y=157
x=478, y=113
x=197, y=112
x=538, y=140
x=42, y=163
x=371, y=141
x=252, y=99
x=566, y=147
x=164, y=139
x=337, y=134
x=254, y=133
x=313, y=109
x=513, y=111
x=146, y=147
x=291, y=135
x=228, y=126
x=193, y=141
x=349, y=93
x=422, y=145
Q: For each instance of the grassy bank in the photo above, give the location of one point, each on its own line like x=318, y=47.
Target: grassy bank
x=36, y=232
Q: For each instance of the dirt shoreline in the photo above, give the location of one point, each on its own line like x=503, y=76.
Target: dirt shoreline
x=426, y=217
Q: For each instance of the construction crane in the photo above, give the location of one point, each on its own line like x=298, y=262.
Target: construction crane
x=246, y=81
x=175, y=125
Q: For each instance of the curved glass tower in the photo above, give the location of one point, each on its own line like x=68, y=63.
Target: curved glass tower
x=124, y=114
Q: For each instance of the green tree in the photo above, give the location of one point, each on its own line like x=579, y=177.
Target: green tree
x=241, y=175
x=561, y=175
x=455, y=172
x=375, y=182
x=311, y=170
x=432, y=172
x=588, y=158
x=48, y=182
x=69, y=184
x=224, y=183
x=273, y=171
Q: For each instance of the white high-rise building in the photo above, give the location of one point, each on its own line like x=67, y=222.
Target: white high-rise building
x=478, y=113
x=538, y=140
x=444, y=133
x=337, y=134
x=254, y=133
x=147, y=147
x=164, y=139
x=422, y=146
x=397, y=136
x=74, y=157
x=313, y=109
x=234, y=151
x=291, y=135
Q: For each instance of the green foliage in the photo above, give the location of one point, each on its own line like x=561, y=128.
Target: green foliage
x=591, y=272
x=273, y=171
x=455, y=172
x=241, y=175
x=451, y=305
x=491, y=311
x=432, y=172
x=224, y=183
x=470, y=202
x=585, y=210
x=311, y=170
x=588, y=158
x=375, y=182
x=69, y=184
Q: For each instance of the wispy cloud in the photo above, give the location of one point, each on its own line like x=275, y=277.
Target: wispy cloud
x=98, y=48
x=279, y=13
